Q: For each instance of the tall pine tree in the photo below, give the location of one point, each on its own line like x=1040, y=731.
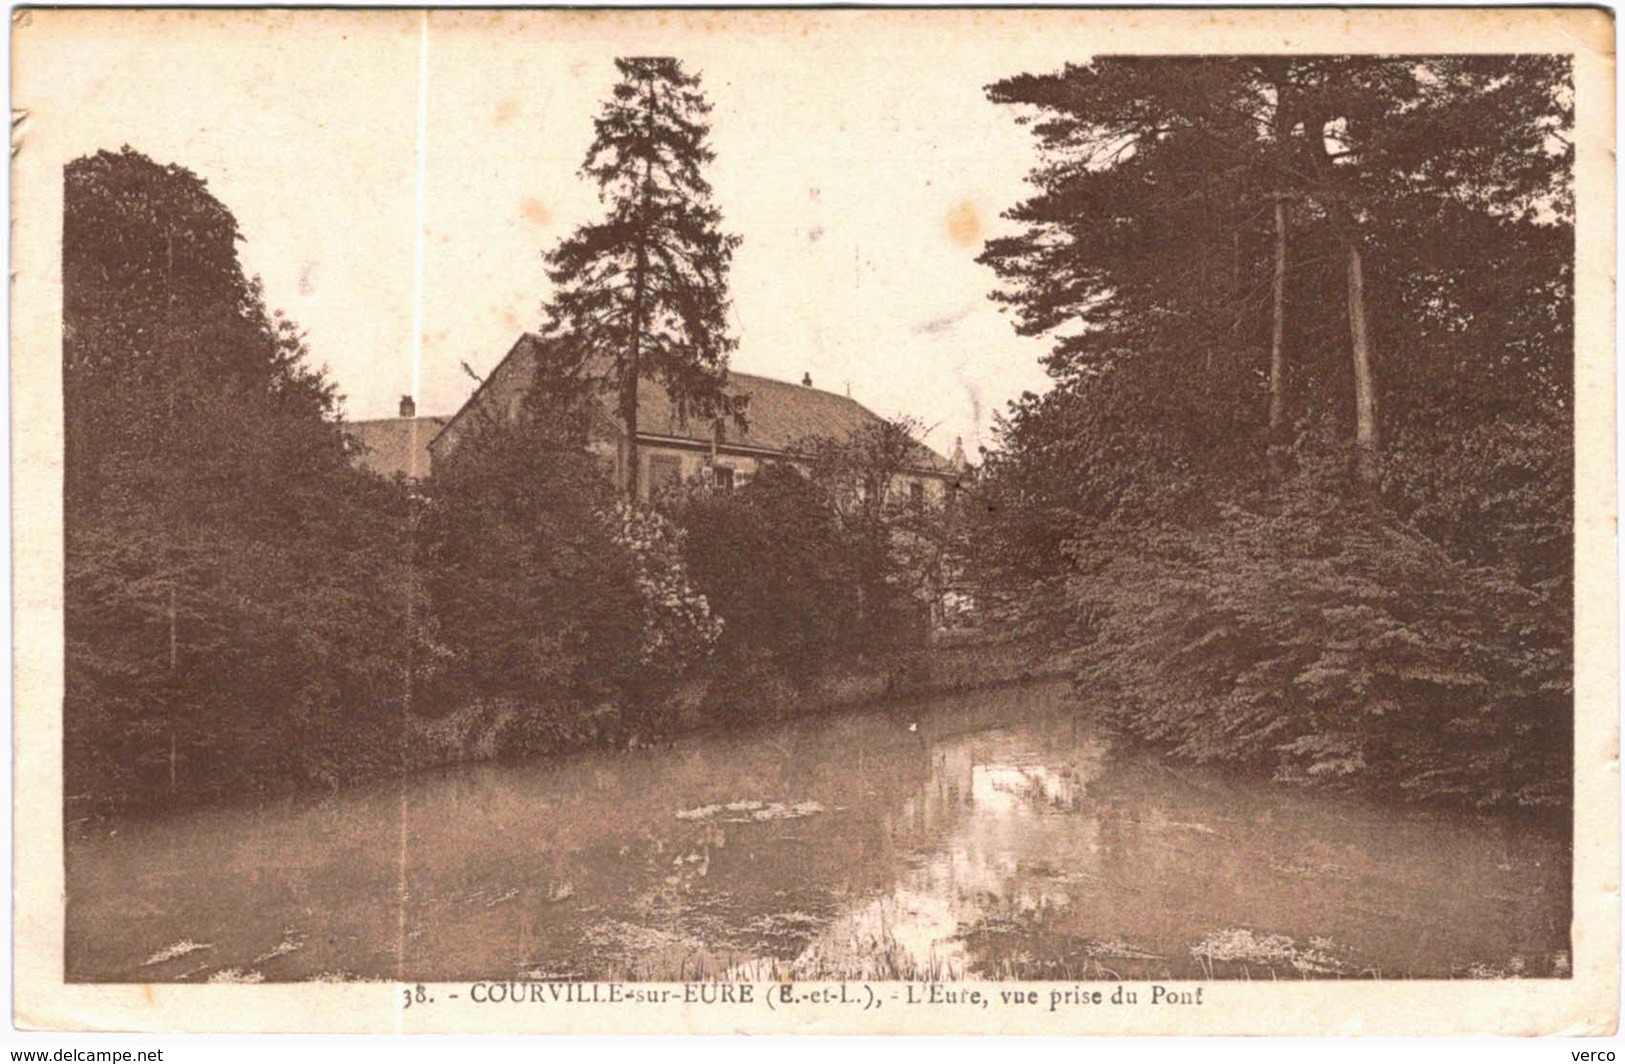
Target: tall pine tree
x=644, y=292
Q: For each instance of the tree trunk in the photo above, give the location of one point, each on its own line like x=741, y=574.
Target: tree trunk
x=632, y=370
x=1277, y=429
x=1367, y=449
x=629, y=401
x=1366, y=452
x=1279, y=73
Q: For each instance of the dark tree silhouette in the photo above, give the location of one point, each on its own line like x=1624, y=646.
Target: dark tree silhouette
x=1169, y=185
x=645, y=291
x=1206, y=231
x=235, y=591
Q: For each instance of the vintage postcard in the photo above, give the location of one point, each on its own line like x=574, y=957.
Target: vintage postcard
x=815, y=521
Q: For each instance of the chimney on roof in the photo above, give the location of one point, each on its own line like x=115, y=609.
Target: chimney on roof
x=409, y=408
x=806, y=380
x=958, y=457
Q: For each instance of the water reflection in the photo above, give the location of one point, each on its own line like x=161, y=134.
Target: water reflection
x=999, y=837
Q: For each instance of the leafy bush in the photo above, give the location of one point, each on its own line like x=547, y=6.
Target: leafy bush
x=775, y=567
x=1330, y=645
x=678, y=626
x=534, y=591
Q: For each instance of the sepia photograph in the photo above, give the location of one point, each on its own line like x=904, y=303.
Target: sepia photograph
x=650, y=511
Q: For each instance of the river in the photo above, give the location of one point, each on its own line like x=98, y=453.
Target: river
x=990, y=834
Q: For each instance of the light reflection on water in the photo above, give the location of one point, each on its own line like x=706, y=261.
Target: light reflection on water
x=998, y=838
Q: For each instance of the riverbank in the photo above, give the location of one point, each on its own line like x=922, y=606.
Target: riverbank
x=955, y=662
x=711, y=697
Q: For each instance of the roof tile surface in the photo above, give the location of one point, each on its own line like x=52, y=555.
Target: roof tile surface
x=397, y=444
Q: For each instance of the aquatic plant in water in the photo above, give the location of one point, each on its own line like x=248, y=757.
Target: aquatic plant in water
x=1239, y=945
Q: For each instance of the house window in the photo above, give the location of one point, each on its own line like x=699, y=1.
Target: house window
x=665, y=471
x=723, y=477
x=916, y=493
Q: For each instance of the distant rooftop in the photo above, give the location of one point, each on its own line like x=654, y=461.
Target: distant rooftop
x=780, y=416
x=396, y=444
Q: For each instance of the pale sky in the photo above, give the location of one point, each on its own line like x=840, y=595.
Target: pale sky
x=862, y=166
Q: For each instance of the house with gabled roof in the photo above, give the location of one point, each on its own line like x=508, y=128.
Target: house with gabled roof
x=779, y=420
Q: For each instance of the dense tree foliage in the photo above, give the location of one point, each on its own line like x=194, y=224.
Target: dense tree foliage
x=530, y=595
x=1329, y=647
x=809, y=567
x=231, y=579
x=1303, y=485
x=774, y=563
x=899, y=541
